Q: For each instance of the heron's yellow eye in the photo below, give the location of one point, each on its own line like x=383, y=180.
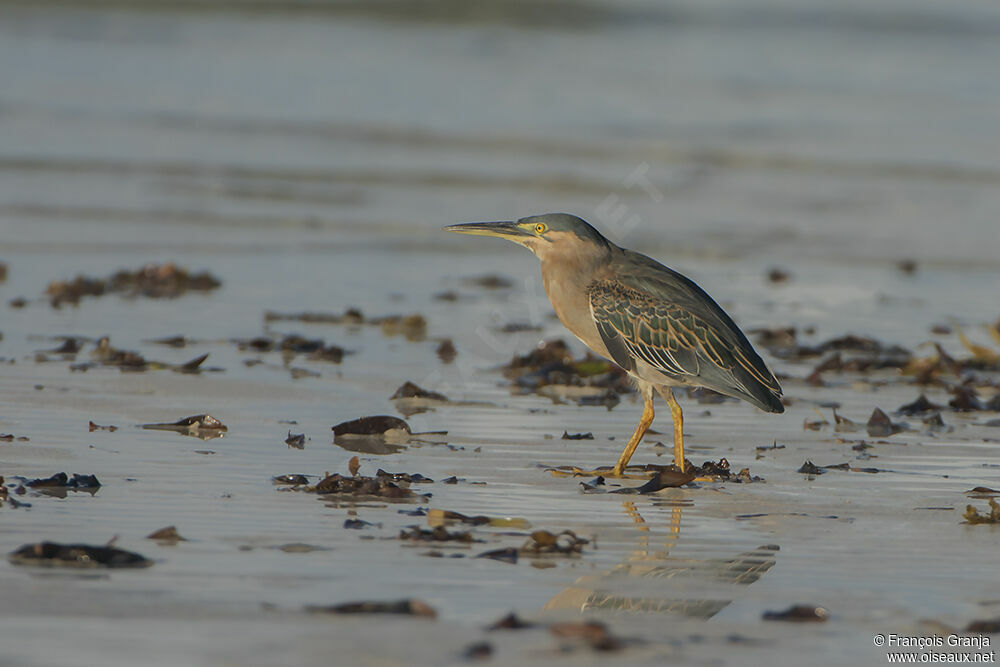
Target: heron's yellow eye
x=540, y=228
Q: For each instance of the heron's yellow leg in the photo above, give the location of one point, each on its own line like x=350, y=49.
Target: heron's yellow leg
x=678, y=417
x=640, y=431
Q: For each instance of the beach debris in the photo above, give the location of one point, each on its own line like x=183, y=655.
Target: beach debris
x=54, y=554
x=172, y=341
x=104, y=354
x=408, y=607
x=551, y=370
x=411, y=399
x=489, y=281
x=361, y=486
x=70, y=347
x=290, y=480
x=168, y=534
x=982, y=491
x=919, y=406
x=385, y=485
x=566, y=543
x=353, y=466
x=592, y=634
x=412, y=327
x=296, y=440
x=480, y=650
x=800, y=613
x=155, y=281
x=439, y=517
x=935, y=423
x=446, y=351
x=843, y=424
x=193, y=366
x=510, y=622
x=966, y=399
x=436, y=534
x=879, y=425
x=810, y=468
x=98, y=427
x=204, y=426
x=972, y=515
x=63, y=481
x=10, y=437
x=358, y=524
x=505, y=555
x=777, y=275
x=577, y=436
x=668, y=477
x=990, y=626
x=381, y=426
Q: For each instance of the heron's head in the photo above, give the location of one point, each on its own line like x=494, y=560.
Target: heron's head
x=551, y=236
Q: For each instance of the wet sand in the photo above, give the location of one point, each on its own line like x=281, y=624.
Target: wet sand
x=294, y=210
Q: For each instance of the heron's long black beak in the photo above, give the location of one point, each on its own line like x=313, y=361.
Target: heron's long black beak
x=506, y=230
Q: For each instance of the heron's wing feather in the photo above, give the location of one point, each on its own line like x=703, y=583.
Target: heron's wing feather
x=668, y=322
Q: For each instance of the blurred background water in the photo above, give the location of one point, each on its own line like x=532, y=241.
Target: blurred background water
x=308, y=153
x=854, y=130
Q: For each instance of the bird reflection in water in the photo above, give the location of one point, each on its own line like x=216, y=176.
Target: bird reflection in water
x=603, y=591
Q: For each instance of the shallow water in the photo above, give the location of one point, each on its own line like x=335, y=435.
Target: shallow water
x=308, y=160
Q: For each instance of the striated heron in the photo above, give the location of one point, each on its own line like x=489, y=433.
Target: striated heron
x=658, y=325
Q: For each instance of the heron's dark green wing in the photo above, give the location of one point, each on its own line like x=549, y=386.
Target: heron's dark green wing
x=659, y=316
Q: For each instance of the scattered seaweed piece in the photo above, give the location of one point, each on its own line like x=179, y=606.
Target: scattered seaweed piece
x=880, y=426
x=843, y=424
x=193, y=366
x=358, y=524
x=172, y=341
x=972, y=516
x=668, y=477
x=593, y=634
x=505, y=555
x=510, y=622
x=551, y=370
x=63, y=481
x=167, y=534
x=98, y=427
x=204, y=426
x=76, y=555
x=480, y=650
x=566, y=543
x=353, y=466
x=577, y=436
x=438, y=517
x=104, y=354
x=436, y=534
x=360, y=486
x=411, y=399
x=489, y=281
x=290, y=480
x=296, y=440
x=990, y=626
x=810, y=468
x=983, y=491
x=155, y=281
x=919, y=406
x=383, y=426
x=777, y=275
x=411, y=390
x=446, y=351
x=799, y=613
x=409, y=607
x=966, y=399
x=412, y=327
